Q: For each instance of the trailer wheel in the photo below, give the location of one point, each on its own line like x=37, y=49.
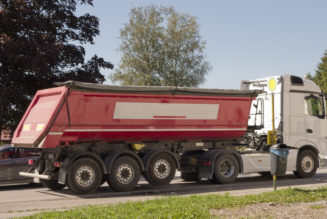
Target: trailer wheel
x=51, y=184
x=125, y=174
x=85, y=176
x=226, y=169
x=186, y=176
x=161, y=170
x=307, y=164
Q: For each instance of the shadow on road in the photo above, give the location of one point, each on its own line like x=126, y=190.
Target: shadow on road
x=20, y=186
x=204, y=186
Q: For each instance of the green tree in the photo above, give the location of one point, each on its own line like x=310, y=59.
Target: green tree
x=161, y=47
x=40, y=43
x=320, y=77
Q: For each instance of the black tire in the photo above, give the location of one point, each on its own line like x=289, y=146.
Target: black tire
x=265, y=174
x=186, y=176
x=84, y=176
x=53, y=185
x=214, y=179
x=226, y=169
x=161, y=169
x=125, y=174
x=307, y=164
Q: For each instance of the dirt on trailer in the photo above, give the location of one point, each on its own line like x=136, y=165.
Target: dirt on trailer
x=271, y=210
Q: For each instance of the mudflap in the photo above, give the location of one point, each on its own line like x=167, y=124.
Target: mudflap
x=205, y=172
x=63, y=171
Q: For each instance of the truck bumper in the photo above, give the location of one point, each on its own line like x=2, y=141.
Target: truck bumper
x=35, y=175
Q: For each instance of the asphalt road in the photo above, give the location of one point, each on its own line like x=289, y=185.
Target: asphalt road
x=26, y=199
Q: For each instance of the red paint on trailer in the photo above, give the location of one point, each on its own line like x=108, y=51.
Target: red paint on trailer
x=92, y=117
x=39, y=116
x=154, y=135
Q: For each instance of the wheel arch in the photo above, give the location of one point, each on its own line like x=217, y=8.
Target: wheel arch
x=309, y=147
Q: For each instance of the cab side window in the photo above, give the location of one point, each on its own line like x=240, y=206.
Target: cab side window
x=314, y=106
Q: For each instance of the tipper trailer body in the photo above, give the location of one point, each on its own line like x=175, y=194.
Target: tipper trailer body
x=95, y=133
x=80, y=112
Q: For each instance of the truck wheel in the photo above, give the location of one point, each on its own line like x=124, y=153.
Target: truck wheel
x=161, y=170
x=53, y=185
x=125, y=174
x=307, y=164
x=190, y=176
x=84, y=176
x=226, y=169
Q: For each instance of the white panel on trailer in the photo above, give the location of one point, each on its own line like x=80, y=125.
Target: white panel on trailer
x=136, y=110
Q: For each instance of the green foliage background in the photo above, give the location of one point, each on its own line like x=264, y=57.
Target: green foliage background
x=320, y=76
x=161, y=47
x=41, y=42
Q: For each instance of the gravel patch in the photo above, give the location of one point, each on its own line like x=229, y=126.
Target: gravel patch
x=310, y=210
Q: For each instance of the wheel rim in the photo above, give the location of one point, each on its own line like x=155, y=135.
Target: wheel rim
x=307, y=164
x=226, y=168
x=125, y=174
x=161, y=169
x=85, y=176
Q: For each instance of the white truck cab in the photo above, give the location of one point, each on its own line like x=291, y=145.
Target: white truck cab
x=299, y=109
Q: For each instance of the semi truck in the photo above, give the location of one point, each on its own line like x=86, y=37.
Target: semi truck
x=91, y=134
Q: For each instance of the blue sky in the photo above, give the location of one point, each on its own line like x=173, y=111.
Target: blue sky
x=246, y=39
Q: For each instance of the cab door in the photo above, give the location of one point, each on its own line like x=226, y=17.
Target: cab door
x=315, y=121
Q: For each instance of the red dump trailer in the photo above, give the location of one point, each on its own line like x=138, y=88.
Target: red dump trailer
x=93, y=133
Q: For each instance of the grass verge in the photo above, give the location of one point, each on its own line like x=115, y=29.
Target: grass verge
x=195, y=206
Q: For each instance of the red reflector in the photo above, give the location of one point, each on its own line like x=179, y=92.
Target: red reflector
x=206, y=163
x=57, y=164
x=30, y=162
